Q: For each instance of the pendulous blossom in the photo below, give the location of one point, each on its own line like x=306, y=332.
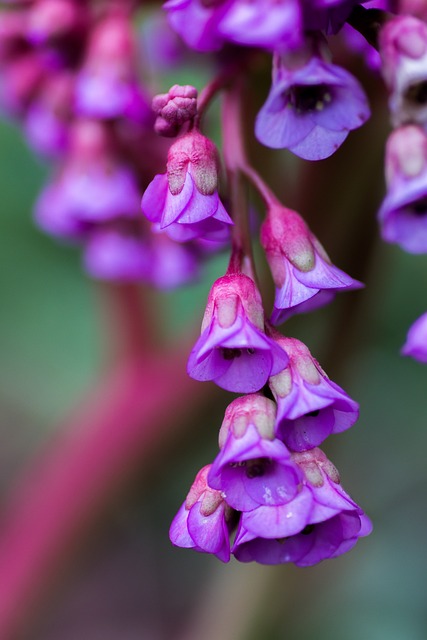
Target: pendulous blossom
x=310, y=406
x=416, y=341
x=321, y=522
x=403, y=49
x=403, y=213
x=304, y=277
x=202, y=523
x=233, y=349
x=253, y=467
x=185, y=201
x=311, y=107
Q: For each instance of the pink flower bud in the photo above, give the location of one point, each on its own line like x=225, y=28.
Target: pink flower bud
x=174, y=108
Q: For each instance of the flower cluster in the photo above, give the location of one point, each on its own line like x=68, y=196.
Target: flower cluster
x=71, y=74
x=403, y=213
x=270, y=495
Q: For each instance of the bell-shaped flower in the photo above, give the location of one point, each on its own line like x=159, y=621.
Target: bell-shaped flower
x=416, y=341
x=233, y=349
x=202, y=523
x=403, y=49
x=107, y=85
x=253, y=467
x=256, y=23
x=321, y=522
x=403, y=213
x=311, y=107
x=185, y=201
x=304, y=276
x=93, y=186
x=310, y=407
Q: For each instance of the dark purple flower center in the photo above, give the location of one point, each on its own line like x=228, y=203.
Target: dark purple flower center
x=308, y=529
x=230, y=354
x=418, y=208
x=257, y=467
x=417, y=93
x=313, y=414
x=305, y=98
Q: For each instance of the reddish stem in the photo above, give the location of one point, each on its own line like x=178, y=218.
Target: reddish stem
x=128, y=413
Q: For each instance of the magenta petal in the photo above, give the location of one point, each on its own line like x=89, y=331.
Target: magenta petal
x=175, y=204
x=416, y=341
x=209, y=532
x=178, y=532
x=280, y=521
x=154, y=198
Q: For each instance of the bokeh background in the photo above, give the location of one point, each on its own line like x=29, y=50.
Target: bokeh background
x=119, y=578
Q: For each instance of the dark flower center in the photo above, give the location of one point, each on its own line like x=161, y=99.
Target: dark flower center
x=417, y=93
x=306, y=98
x=418, y=208
x=257, y=467
x=230, y=354
x=313, y=414
x=308, y=529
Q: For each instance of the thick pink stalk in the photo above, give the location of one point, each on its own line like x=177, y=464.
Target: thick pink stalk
x=128, y=414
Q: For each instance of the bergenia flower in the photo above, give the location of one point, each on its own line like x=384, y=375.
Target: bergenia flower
x=185, y=201
x=416, y=341
x=233, y=349
x=326, y=15
x=403, y=213
x=260, y=23
x=117, y=253
x=309, y=405
x=311, y=107
x=107, y=85
x=202, y=521
x=321, y=522
x=253, y=467
x=304, y=277
x=403, y=49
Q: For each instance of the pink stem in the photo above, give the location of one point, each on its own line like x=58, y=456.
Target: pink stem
x=128, y=413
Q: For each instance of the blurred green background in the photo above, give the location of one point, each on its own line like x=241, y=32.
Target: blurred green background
x=124, y=581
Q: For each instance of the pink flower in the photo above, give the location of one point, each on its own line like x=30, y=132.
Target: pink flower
x=233, y=349
x=202, y=521
x=309, y=406
x=185, y=201
x=304, y=276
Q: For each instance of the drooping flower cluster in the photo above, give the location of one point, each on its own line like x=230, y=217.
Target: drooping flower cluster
x=403, y=213
x=71, y=73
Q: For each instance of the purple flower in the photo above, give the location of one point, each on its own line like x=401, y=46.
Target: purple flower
x=403, y=49
x=197, y=22
x=304, y=277
x=264, y=23
x=311, y=108
x=416, y=341
x=107, y=85
x=403, y=213
x=309, y=406
x=253, y=467
x=326, y=15
x=184, y=201
x=202, y=521
x=321, y=522
x=233, y=349
x=115, y=253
